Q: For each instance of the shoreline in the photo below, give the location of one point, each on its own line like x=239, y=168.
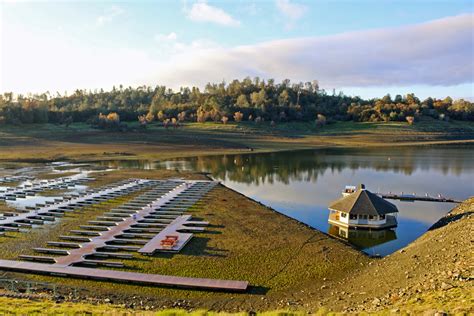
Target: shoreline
x=80, y=142
x=138, y=157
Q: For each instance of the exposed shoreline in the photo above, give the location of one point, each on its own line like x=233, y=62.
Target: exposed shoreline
x=48, y=143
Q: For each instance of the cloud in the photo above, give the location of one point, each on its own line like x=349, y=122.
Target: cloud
x=203, y=12
x=166, y=37
x=438, y=52
x=68, y=66
x=109, y=15
x=291, y=11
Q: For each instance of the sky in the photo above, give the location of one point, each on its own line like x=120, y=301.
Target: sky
x=361, y=47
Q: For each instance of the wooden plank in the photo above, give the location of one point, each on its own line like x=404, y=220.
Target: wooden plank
x=123, y=276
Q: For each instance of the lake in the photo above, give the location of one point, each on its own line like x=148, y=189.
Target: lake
x=301, y=184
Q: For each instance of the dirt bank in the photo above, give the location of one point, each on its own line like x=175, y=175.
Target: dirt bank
x=434, y=273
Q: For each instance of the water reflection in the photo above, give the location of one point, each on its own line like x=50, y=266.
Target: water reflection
x=363, y=239
x=301, y=184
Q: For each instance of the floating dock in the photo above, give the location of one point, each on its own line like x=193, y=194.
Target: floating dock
x=122, y=276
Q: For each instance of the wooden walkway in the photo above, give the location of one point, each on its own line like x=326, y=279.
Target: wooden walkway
x=413, y=197
x=65, y=204
x=122, y=276
x=89, y=248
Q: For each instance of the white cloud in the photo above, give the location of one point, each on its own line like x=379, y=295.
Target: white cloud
x=109, y=15
x=291, y=11
x=438, y=52
x=203, y=12
x=166, y=37
x=62, y=63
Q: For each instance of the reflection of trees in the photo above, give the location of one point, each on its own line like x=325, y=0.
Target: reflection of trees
x=308, y=165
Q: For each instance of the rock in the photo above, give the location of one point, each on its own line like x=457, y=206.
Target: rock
x=440, y=313
x=324, y=287
x=376, y=302
x=446, y=286
x=107, y=300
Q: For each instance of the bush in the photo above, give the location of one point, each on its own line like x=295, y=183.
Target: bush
x=238, y=116
x=410, y=119
x=320, y=120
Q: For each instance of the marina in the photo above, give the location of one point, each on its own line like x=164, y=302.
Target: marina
x=141, y=226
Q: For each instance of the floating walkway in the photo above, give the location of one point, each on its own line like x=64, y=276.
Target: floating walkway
x=58, y=209
x=122, y=276
x=414, y=197
x=32, y=187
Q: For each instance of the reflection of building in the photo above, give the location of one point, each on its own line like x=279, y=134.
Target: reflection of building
x=363, y=209
x=363, y=238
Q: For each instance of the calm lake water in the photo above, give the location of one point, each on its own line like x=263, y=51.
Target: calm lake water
x=301, y=184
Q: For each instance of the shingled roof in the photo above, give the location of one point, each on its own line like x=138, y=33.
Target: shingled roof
x=363, y=202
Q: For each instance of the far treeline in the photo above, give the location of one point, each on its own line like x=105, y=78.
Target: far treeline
x=247, y=100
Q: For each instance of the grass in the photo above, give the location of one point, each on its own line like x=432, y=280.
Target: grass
x=18, y=306
x=48, y=142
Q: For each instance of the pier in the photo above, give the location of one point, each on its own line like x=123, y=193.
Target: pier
x=414, y=197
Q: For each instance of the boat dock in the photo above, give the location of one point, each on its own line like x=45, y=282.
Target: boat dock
x=123, y=276
x=414, y=197
x=153, y=221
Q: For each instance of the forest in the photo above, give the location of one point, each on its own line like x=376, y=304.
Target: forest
x=240, y=100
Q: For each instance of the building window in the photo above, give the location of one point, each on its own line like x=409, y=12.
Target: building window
x=382, y=216
x=352, y=216
x=371, y=217
x=343, y=215
x=364, y=216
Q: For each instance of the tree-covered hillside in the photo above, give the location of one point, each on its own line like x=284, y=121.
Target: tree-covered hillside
x=248, y=99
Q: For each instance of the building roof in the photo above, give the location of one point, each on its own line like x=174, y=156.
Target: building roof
x=363, y=202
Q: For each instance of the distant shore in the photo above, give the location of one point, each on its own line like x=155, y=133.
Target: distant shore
x=80, y=142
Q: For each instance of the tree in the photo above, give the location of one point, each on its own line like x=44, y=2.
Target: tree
x=160, y=116
x=238, y=116
x=320, y=120
x=182, y=116
x=149, y=117
x=201, y=115
x=284, y=98
x=252, y=97
x=113, y=117
x=242, y=101
x=410, y=119
x=259, y=99
x=142, y=120
x=175, y=123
